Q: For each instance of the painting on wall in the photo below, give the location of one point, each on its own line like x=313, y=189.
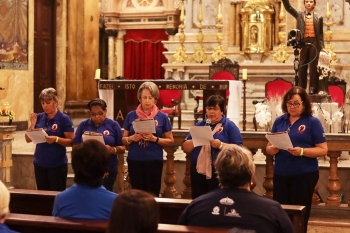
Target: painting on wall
x=14, y=34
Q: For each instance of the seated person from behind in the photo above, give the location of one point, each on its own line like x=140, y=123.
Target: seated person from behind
x=4, y=208
x=134, y=211
x=87, y=198
x=234, y=205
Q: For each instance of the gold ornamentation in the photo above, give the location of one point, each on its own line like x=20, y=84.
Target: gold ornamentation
x=199, y=54
x=281, y=54
x=218, y=53
x=180, y=56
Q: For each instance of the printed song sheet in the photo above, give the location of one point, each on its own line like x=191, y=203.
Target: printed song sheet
x=201, y=135
x=144, y=126
x=37, y=135
x=93, y=135
x=280, y=140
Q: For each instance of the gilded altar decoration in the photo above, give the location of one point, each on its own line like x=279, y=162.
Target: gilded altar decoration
x=180, y=55
x=257, y=27
x=218, y=50
x=281, y=54
x=199, y=55
x=329, y=34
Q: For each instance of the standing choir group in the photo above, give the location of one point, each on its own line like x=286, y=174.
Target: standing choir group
x=221, y=173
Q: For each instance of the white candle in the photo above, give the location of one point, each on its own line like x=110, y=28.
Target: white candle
x=98, y=74
x=244, y=72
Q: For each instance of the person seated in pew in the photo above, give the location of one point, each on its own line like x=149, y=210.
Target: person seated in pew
x=134, y=211
x=87, y=198
x=235, y=205
x=4, y=208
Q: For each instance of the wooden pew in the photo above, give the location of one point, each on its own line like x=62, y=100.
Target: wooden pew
x=39, y=202
x=26, y=223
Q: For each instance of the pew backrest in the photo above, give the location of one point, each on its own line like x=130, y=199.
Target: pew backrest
x=26, y=223
x=39, y=202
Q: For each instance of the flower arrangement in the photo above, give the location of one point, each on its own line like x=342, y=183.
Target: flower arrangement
x=329, y=117
x=6, y=111
x=267, y=111
x=262, y=114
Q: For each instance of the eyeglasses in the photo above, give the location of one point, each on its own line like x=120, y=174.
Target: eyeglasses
x=212, y=108
x=295, y=105
x=96, y=114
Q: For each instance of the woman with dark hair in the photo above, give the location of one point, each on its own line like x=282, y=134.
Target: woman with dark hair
x=87, y=198
x=50, y=158
x=111, y=132
x=134, y=211
x=225, y=132
x=145, y=156
x=296, y=169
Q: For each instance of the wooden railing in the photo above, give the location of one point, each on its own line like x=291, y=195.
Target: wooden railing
x=254, y=141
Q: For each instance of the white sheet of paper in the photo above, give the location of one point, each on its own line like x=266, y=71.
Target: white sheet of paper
x=280, y=140
x=95, y=137
x=144, y=126
x=201, y=135
x=37, y=135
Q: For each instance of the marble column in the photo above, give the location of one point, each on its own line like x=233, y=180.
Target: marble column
x=111, y=51
x=119, y=64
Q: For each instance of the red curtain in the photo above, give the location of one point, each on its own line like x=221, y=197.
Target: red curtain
x=143, y=54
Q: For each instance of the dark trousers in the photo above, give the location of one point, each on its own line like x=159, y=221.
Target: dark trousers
x=307, y=54
x=53, y=179
x=296, y=190
x=146, y=175
x=108, y=182
x=200, y=184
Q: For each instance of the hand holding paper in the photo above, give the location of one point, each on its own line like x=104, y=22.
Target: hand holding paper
x=37, y=135
x=144, y=126
x=280, y=140
x=201, y=135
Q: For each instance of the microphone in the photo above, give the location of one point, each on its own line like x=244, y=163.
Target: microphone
x=207, y=122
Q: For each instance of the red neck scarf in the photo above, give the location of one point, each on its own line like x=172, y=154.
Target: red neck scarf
x=146, y=115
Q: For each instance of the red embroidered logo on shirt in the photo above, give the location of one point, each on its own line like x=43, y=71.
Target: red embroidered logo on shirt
x=219, y=130
x=54, y=127
x=301, y=129
x=106, y=132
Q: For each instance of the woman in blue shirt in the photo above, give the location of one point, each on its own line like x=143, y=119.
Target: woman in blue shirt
x=111, y=132
x=296, y=169
x=145, y=157
x=50, y=158
x=203, y=178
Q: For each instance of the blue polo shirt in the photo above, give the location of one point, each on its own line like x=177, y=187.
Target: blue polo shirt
x=82, y=201
x=111, y=131
x=306, y=132
x=149, y=150
x=228, y=134
x=52, y=155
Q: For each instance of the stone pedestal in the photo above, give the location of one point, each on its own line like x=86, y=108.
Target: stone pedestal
x=6, y=137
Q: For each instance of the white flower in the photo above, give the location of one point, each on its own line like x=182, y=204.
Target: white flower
x=315, y=111
x=262, y=114
x=337, y=116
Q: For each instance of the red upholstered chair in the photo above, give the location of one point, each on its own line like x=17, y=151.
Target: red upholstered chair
x=337, y=94
x=170, y=103
x=224, y=69
x=273, y=90
x=277, y=88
